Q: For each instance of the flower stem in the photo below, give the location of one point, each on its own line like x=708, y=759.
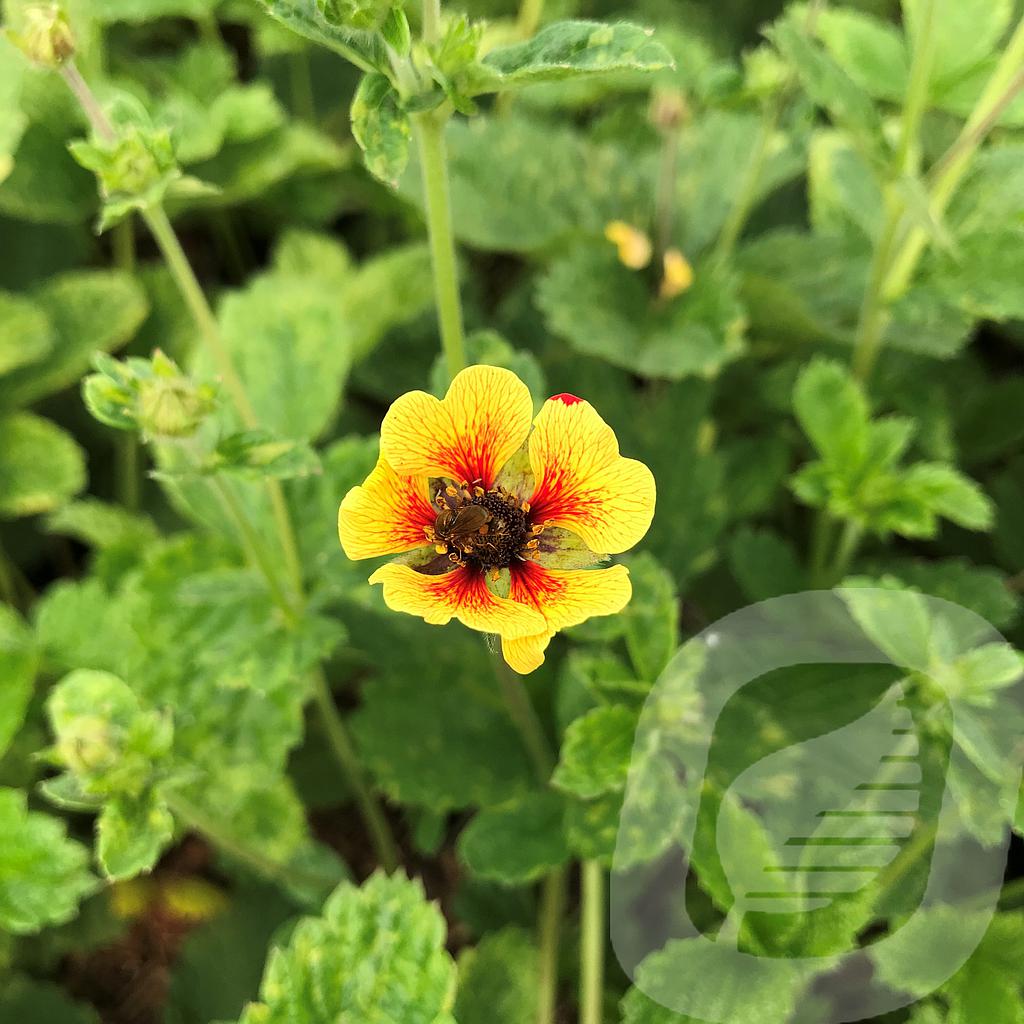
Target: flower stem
x=524, y=717
x=8, y=587
x=341, y=744
x=916, y=103
x=592, y=943
x=849, y=541
x=429, y=129
x=530, y=14
x=552, y=907
x=225, y=840
x=431, y=21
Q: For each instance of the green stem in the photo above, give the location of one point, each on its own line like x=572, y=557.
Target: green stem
x=8, y=587
x=746, y=195
x=874, y=310
x=849, y=541
x=552, y=907
x=592, y=943
x=524, y=717
x=123, y=243
x=253, y=545
x=225, y=840
x=916, y=103
x=434, y=169
x=302, y=84
x=431, y=21
x=667, y=189
x=195, y=298
x=530, y=14
x=1003, y=87
x=337, y=735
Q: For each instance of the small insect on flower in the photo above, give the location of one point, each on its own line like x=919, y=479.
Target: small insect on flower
x=499, y=519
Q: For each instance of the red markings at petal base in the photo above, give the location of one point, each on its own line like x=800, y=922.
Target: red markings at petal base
x=566, y=399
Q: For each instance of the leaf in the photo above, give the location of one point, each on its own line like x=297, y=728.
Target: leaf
x=499, y=980
x=518, y=185
x=362, y=48
x=596, y=752
x=842, y=188
x=652, y=617
x=19, y=661
x=102, y=526
x=979, y=588
x=43, y=874
x=606, y=310
x=41, y=466
x=765, y=565
x=258, y=453
x=132, y=833
x=376, y=955
x=25, y=332
x=89, y=310
x=382, y=128
x=976, y=272
x=37, y=1002
x=897, y=621
x=434, y=730
x=691, y=975
x=572, y=49
x=276, y=331
x=827, y=84
x=518, y=842
x=833, y=412
x=950, y=494
x=871, y=51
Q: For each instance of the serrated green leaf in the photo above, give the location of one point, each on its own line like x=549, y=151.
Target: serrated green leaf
x=131, y=834
x=592, y=827
x=894, y=619
x=376, y=955
x=652, y=616
x=518, y=842
x=950, y=494
x=871, y=51
x=765, y=565
x=571, y=49
x=833, y=412
x=100, y=525
x=43, y=874
x=90, y=311
x=382, y=128
x=19, y=661
x=606, y=310
x=41, y=466
x=364, y=49
x=499, y=980
x=434, y=730
x=596, y=752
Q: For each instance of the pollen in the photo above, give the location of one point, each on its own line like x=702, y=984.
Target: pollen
x=486, y=529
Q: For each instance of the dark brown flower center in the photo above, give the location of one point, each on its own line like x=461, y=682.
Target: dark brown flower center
x=488, y=530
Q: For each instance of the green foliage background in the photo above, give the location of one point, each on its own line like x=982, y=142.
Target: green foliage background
x=838, y=396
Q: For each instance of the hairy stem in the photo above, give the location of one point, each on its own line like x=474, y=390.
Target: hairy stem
x=916, y=103
x=524, y=717
x=429, y=129
x=431, y=21
x=592, y=943
x=530, y=14
x=341, y=744
x=552, y=907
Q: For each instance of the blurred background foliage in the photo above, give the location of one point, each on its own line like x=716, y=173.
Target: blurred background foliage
x=171, y=806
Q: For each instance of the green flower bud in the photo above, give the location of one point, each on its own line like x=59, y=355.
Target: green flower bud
x=45, y=35
x=172, y=408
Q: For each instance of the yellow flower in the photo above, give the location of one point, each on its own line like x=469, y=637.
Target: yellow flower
x=499, y=524
x=678, y=275
x=635, y=249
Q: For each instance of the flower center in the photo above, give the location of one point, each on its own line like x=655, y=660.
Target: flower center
x=488, y=530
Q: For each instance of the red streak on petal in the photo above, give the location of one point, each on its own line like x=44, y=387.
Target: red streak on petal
x=565, y=399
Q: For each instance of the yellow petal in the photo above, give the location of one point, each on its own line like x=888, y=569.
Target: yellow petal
x=678, y=275
x=635, y=249
x=467, y=436
x=582, y=483
x=565, y=598
x=526, y=654
x=460, y=594
x=385, y=515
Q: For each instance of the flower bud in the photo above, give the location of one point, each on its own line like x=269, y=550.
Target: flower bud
x=45, y=35
x=635, y=249
x=669, y=110
x=171, y=405
x=677, y=275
